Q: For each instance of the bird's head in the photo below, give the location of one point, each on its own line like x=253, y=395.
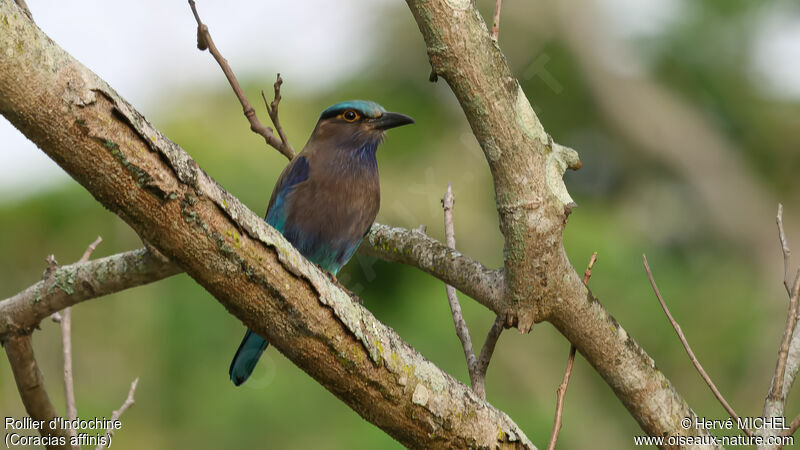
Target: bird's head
x=358, y=122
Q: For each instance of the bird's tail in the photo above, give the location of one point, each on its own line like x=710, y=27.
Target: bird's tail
x=246, y=357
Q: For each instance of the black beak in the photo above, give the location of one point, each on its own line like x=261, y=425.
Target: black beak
x=391, y=120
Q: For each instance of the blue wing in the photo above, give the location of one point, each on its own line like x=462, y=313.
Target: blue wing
x=253, y=345
x=296, y=173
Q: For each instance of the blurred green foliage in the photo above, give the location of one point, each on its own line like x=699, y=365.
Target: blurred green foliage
x=179, y=341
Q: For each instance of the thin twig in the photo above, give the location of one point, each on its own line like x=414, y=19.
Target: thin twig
x=588, y=273
x=272, y=110
x=783, y=351
x=489, y=344
x=561, y=394
x=787, y=282
x=688, y=348
x=452, y=297
x=204, y=42
x=476, y=366
x=496, y=21
x=69, y=387
x=66, y=346
x=115, y=415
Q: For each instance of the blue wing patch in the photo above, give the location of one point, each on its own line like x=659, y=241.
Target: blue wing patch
x=298, y=172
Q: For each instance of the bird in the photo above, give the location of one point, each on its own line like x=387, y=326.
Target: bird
x=326, y=199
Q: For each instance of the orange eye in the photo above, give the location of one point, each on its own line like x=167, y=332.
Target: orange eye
x=350, y=115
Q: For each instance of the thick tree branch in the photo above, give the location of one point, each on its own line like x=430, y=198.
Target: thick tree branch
x=30, y=384
x=152, y=184
x=533, y=204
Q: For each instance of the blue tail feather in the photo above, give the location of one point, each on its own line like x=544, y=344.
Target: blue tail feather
x=246, y=357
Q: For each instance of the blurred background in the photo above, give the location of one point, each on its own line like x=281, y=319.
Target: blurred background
x=686, y=116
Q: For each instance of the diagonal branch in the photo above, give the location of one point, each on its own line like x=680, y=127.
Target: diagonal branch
x=561, y=392
x=776, y=390
x=272, y=110
x=787, y=253
x=488, y=346
x=688, y=349
x=788, y=363
x=152, y=184
x=533, y=206
x=116, y=414
x=204, y=42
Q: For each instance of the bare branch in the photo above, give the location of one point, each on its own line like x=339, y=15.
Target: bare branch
x=787, y=253
x=788, y=363
x=452, y=298
x=688, y=348
x=415, y=248
x=204, y=42
x=69, y=386
x=90, y=249
x=496, y=20
x=30, y=385
x=78, y=282
x=489, y=344
x=243, y=262
x=562, y=388
x=776, y=391
x=272, y=110
x=561, y=393
x=116, y=414
x=476, y=366
x=487, y=351
x=66, y=345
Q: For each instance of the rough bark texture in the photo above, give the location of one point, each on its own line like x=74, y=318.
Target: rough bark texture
x=415, y=248
x=533, y=205
x=152, y=184
x=77, y=282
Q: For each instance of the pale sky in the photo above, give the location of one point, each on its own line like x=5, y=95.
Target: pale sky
x=147, y=47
